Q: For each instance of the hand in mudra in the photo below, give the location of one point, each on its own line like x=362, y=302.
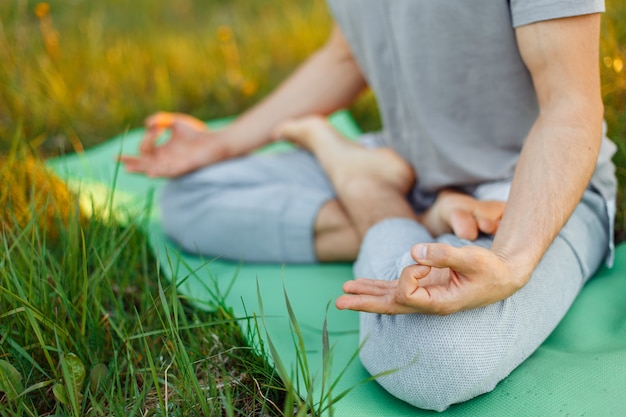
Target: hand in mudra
x=191, y=146
x=445, y=280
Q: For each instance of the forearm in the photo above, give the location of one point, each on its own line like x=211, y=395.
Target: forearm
x=560, y=152
x=553, y=171
x=328, y=81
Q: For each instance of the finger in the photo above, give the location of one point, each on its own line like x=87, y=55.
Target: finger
x=160, y=119
x=190, y=120
x=132, y=163
x=369, y=286
x=441, y=297
x=147, y=165
x=489, y=209
x=409, y=282
x=155, y=126
x=150, y=137
x=370, y=304
x=464, y=260
x=488, y=215
x=463, y=224
x=162, y=169
x=436, y=276
x=423, y=301
x=441, y=300
x=488, y=226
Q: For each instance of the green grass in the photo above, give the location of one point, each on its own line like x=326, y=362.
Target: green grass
x=88, y=326
x=72, y=77
x=96, y=293
x=80, y=72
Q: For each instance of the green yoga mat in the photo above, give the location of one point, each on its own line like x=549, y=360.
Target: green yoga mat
x=579, y=371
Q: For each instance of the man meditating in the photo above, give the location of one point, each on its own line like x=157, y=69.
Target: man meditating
x=483, y=102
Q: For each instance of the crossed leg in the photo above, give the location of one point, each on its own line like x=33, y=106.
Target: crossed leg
x=442, y=360
x=335, y=237
x=261, y=208
x=284, y=208
x=372, y=185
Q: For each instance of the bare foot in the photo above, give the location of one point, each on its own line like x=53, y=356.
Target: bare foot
x=344, y=161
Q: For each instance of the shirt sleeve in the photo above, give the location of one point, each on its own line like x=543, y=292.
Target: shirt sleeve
x=524, y=12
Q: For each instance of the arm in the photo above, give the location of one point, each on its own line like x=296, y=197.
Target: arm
x=328, y=81
x=556, y=163
x=562, y=147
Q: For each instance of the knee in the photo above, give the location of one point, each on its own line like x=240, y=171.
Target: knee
x=434, y=386
x=434, y=372
x=217, y=219
x=186, y=201
x=187, y=206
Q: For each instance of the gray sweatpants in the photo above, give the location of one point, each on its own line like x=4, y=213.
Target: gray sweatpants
x=262, y=208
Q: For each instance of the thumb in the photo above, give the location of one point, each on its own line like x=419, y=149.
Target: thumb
x=155, y=126
x=440, y=255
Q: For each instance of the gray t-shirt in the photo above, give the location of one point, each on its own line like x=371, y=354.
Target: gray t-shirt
x=455, y=96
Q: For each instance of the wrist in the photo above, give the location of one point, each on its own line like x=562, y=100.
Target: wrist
x=520, y=265
x=238, y=140
x=209, y=147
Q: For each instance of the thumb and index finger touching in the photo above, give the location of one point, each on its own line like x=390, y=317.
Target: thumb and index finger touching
x=155, y=126
x=161, y=121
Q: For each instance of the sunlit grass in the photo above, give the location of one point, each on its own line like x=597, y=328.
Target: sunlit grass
x=89, y=327
x=88, y=300
x=79, y=72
